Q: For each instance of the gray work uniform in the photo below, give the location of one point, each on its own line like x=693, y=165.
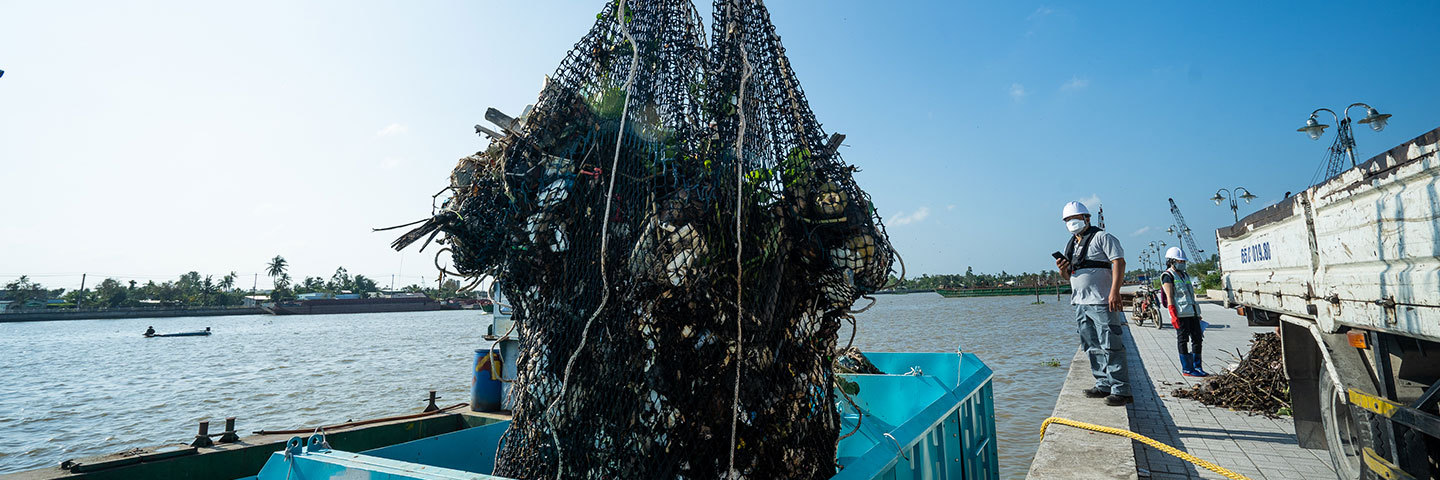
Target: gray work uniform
x=1101, y=330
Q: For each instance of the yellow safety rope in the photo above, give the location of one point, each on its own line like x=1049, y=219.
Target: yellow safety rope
x=1143, y=439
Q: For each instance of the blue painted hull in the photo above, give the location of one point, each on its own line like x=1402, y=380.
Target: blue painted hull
x=930, y=416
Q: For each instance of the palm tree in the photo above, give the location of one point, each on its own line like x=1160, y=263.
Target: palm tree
x=276, y=268
x=227, y=282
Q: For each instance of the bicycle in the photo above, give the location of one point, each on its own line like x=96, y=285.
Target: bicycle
x=1146, y=306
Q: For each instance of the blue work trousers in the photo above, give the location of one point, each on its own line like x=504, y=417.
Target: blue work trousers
x=1100, y=335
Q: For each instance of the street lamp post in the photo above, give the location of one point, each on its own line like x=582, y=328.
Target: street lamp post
x=1346, y=139
x=1179, y=239
x=1159, y=251
x=1145, y=261
x=1160, y=256
x=1221, y=195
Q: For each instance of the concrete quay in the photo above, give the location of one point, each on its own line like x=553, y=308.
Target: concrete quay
x=1251, y=445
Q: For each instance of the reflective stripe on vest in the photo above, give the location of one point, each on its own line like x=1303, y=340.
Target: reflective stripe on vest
x=1185, y=302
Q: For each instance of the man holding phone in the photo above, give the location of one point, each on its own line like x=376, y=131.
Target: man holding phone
x=1095, y=263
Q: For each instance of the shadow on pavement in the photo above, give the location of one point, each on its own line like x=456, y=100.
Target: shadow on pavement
x=1149, y=417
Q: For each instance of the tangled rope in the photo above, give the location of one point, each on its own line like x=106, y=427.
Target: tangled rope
x=739, y=259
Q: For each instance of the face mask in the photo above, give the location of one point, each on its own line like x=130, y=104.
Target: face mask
x=1075, y=226
x=1179, y=266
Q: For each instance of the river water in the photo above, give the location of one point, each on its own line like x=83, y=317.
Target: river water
x=80, y=388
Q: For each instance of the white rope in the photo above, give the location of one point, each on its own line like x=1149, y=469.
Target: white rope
x=604, y=241
x=739, y=251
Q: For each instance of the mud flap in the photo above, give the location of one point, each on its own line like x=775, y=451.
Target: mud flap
x=1304, y=367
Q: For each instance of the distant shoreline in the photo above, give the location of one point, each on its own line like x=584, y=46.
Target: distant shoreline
x=903, y=291
x=123, y=313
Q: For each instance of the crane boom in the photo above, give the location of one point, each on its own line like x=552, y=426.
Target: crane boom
x=1191, y=251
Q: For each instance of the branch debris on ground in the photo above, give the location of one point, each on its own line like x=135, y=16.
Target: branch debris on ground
x=1257, y=385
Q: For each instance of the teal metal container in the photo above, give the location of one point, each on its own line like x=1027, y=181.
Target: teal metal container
x=930, y=416
x=485, y=383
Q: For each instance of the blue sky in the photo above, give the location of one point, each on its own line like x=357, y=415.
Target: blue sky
x=141, y=140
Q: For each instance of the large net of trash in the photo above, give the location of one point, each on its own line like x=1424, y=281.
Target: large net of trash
x=680, y=241
x=1256, y=385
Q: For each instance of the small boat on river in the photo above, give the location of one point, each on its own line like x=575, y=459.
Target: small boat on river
x=197, y=333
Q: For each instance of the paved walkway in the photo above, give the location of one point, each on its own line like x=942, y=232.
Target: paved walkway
x=1252, y=445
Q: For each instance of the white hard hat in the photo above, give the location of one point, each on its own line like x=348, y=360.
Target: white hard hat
x=1175, y=253
x=1073, y=209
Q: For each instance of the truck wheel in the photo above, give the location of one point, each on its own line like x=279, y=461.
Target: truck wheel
x=1347, y=433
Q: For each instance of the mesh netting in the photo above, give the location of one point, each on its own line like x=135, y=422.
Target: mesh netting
x=664, y=186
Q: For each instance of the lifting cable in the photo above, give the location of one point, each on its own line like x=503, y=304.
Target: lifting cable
x=1172, y=451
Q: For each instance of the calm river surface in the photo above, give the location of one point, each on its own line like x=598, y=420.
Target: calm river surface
x=79, y=388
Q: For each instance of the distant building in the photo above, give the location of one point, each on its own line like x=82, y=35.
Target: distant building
x=254, y=300
x=315, y=296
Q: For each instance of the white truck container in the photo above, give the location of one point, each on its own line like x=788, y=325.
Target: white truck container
x=1349, y=272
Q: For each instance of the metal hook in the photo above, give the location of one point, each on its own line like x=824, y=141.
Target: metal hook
x=898, y=448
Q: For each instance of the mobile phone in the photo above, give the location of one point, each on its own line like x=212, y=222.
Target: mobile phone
x=1057, y=255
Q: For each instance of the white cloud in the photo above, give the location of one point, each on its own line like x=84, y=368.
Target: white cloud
x=392, y=129
x=1040, y=12
x=916, y=217
x=949, y=207
x=391, y=162
x=1017, y=91
x=1075, y=83
x=1141, y=231
x=264, y=210
x=1092, y=202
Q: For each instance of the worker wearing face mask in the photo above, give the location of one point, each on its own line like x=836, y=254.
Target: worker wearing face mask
x=1095, y=263
x=1184, y=311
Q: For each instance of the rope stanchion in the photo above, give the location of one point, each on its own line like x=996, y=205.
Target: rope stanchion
x=1172, y=451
